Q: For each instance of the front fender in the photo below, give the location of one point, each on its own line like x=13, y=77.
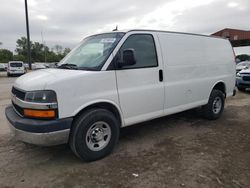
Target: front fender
x=82, y=107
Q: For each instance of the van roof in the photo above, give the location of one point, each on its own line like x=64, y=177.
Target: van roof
x=174, y=32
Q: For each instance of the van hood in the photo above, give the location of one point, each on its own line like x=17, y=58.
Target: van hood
x=40, y=79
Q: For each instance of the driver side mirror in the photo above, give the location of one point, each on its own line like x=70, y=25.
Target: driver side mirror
x=128, y=57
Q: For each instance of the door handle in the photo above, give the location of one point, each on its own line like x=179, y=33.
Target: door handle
x=160, y=75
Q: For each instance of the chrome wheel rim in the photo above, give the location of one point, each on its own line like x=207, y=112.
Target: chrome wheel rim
x=217, y=104
x=98, y=136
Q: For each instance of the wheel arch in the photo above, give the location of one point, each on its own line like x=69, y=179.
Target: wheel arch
x=104, y=104
x=220, y=85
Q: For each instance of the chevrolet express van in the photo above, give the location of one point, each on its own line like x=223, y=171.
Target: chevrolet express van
x=117, y=79
x=15, y=68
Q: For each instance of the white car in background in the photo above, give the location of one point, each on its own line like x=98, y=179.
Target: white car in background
x=243, y=79
x=242, y=65
x=15, y=68
x=37, y=66
x=2, y=67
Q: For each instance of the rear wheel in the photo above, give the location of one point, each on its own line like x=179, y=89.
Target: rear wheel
x=94, y=134
x=215, y=106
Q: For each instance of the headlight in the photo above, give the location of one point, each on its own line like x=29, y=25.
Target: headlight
x=46, y=96
x=45, y=107
x=238, y=75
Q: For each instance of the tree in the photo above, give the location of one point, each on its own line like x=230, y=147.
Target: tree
x=52, y=57
x=19, y=58
x=5, y=55
x=38, y=51
x=66, y=51
x=58, y=49
x=21, y=47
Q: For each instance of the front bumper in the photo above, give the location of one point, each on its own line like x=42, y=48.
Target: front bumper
x=38, y=132
x=242, y=83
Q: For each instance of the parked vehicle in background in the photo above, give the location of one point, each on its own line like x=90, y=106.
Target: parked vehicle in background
x=37, y=66
x=51, y=65
x=243, y=79
x=26, y=66
x=2, y=67
x=15, y=68
x=5, y=66
x=117, y=79
x=242, y=65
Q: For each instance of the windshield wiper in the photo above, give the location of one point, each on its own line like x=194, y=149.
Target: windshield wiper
x=68, y=66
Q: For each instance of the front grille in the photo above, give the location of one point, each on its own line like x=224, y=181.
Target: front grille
x=18, y=93
x=246, y=78
x=18, y=109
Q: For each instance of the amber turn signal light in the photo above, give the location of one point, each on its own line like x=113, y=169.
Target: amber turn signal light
x=40, y=113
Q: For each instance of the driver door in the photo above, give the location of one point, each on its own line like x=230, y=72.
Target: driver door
x=140, y=86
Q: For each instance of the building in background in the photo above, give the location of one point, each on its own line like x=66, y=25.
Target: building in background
x=240, y=39
x=237, y=37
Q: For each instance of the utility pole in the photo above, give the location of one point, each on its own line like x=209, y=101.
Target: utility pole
x=28, y=34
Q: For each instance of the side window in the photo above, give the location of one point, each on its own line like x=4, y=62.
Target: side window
x=145, y=52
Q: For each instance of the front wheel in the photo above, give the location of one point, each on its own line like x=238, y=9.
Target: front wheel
x=215, y=106
x=94, y=134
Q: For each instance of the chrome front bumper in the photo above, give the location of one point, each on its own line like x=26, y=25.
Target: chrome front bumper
x=42, y=139
x=38, y=132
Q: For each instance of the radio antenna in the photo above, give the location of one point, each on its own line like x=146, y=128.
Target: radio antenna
x=116, y=28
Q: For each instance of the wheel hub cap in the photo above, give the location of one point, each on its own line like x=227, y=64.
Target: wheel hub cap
x=98, y=136
x=217, y=104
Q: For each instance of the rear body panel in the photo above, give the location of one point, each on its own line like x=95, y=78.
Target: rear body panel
x=193, y=65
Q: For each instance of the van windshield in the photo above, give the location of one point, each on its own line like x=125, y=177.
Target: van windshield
x=92, y=52
x=16, y=64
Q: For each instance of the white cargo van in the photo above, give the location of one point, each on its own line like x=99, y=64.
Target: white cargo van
x=117, y=79
x=15, y=68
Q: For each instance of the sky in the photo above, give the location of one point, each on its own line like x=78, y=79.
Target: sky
x=67, y=22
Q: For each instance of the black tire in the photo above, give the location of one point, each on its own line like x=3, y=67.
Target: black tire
x=209, y=110
x=80, y=134
x=241, y=88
